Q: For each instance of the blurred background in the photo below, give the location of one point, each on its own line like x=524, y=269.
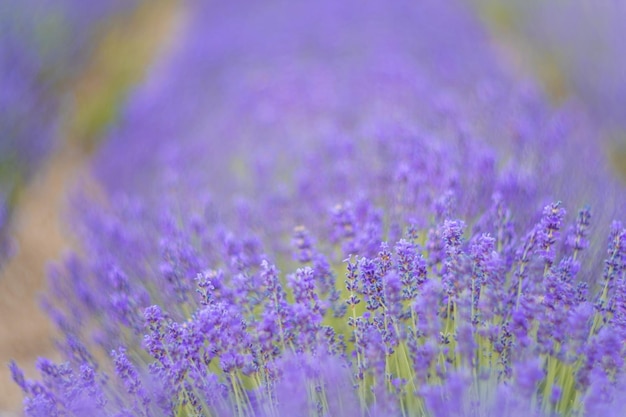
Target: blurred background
x=67, y=67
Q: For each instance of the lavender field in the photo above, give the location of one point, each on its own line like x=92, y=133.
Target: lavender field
x=355, y=208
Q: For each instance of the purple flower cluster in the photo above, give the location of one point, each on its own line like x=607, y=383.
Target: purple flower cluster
x=347, y=208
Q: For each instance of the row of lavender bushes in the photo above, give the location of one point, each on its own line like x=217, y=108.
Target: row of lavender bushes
x=43, y=45
x=341, y=209
x=589, y=61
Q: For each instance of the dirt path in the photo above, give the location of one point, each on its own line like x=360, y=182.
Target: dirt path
x=120, y=59
x=25, y=333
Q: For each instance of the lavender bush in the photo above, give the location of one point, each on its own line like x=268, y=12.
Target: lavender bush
x=340, y=209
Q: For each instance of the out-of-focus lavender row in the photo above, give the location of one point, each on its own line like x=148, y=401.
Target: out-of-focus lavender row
x=577, y=45
x=43, y=45
x=386, y=134
x=340, y=88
